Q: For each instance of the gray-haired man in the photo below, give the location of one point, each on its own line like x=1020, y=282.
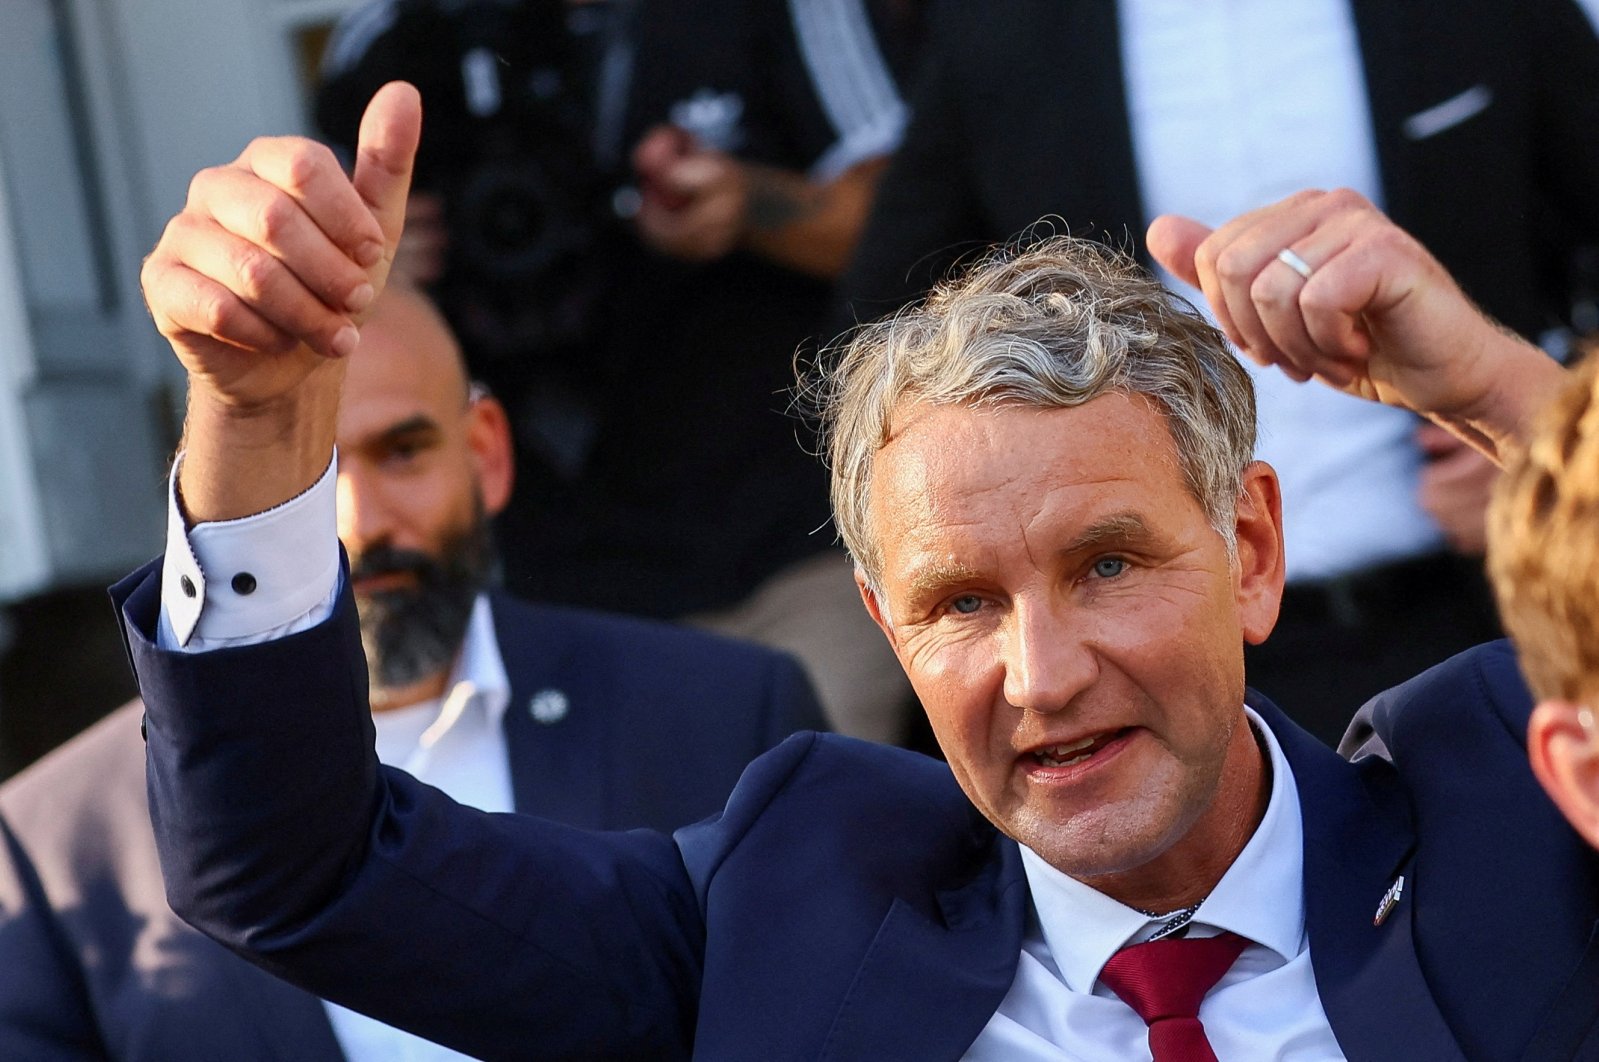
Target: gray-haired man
x=1045, y=474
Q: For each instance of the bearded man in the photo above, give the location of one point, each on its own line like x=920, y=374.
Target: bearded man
x=595, y=720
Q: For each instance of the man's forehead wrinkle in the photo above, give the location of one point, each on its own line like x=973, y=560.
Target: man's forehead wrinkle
x=942, y=486
x=976, y=416
x=957, y=477
x=1035, y=503
x=932, y=562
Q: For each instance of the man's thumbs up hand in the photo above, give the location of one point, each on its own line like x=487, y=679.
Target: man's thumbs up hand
x=260, y=284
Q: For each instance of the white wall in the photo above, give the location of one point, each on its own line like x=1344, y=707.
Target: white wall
x=24, y=565
x=107, y=108
x=207, y=76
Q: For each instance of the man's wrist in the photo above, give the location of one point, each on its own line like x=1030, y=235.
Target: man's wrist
x=240, y=461
x=1520, y=380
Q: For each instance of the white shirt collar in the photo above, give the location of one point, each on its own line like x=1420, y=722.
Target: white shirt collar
x=478, y=687
x=1261, y=896
x=480, y=664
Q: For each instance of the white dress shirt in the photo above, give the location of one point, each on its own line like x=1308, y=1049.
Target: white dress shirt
x=1233, y=105
x=1265, y=1007
x=290, y=554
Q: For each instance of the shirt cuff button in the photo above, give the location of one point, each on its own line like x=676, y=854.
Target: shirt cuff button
x=243, y=584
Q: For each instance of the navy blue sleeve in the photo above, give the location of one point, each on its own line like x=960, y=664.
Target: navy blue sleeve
x=282, y=838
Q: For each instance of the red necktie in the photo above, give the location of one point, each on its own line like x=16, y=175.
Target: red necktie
x=1164, y=981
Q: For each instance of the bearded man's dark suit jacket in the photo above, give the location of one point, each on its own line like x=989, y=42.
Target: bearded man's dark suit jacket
x=93, y=963
x=849, y=903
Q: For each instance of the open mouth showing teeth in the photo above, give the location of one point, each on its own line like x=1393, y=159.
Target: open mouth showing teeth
x=1076, y=752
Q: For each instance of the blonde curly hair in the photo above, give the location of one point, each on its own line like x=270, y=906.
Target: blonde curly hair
x=1543, y=546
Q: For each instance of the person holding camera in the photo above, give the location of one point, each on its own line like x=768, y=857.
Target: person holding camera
x=632, y=211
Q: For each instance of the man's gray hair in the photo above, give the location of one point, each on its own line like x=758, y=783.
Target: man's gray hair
x=1052, y=324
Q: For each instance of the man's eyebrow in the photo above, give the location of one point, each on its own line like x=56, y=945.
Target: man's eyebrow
x=1126, y=528
x=419, y=424
x=938, y=577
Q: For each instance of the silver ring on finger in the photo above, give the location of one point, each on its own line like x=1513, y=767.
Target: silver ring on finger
x=1288, y=258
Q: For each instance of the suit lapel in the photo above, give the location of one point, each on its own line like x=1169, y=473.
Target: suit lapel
x=556, y=755
x=1358, y=842
x=931, y=981
x=1570, y=1023
x=1393, y=48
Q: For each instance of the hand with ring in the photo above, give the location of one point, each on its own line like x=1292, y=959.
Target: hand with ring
x=1288, y=258
x=1323, y=285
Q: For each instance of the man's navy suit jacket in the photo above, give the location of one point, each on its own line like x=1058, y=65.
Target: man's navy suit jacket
x=849, y=903
x=93, y=963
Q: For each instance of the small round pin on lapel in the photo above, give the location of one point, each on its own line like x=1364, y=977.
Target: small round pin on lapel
x=548, y=706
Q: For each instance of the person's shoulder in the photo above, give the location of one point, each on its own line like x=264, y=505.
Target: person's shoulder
x=100, y=772
x=1475, y=699
x=873, y=761
x=861, y=814
x=863, y=783
x=1485, y=680
x=905, y=784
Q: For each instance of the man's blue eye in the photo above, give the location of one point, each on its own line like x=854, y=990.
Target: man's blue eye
x=1109, y=567
x=966, y=604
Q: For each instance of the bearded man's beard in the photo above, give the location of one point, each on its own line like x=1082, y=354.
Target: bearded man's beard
x=413, y=632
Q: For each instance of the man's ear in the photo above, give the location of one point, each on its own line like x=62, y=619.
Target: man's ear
x=874, y=608
x=1259, y=572
x=1565, y=758
x=488, y=436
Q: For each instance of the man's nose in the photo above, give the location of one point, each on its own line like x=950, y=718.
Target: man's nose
x=1048, y=662
x=364, y=517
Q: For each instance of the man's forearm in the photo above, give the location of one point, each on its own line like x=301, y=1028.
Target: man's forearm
x=807, y=226
x=239, y=462
x=1523, y=381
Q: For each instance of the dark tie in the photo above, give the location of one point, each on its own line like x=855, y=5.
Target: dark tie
x=1164, y=981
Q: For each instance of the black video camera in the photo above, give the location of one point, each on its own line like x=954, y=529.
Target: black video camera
x=507, y=146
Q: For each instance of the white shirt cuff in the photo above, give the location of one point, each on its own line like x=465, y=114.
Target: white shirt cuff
x=235, y=582
x=877, y=138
